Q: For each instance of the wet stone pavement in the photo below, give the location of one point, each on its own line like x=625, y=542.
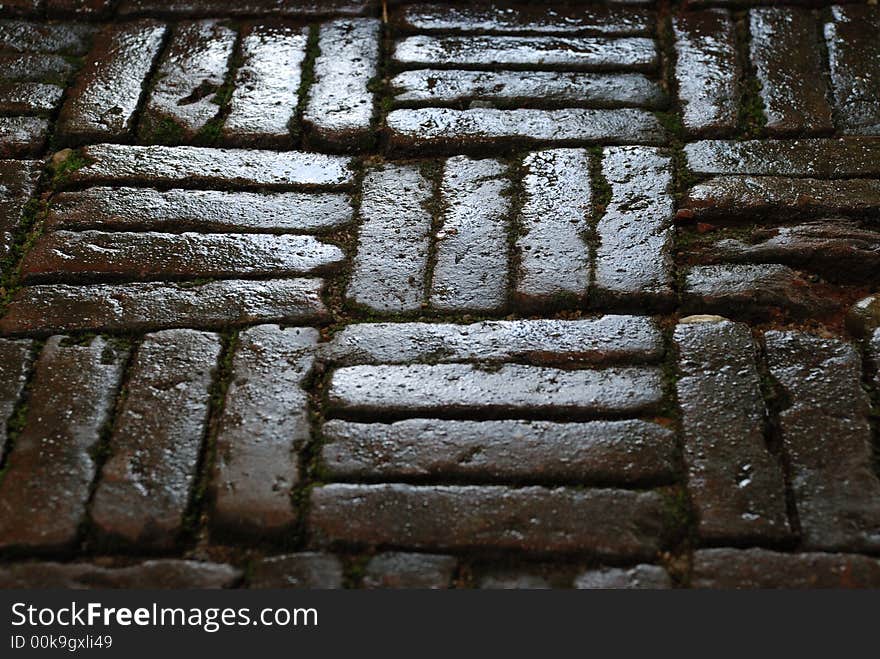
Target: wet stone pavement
x=476, y=295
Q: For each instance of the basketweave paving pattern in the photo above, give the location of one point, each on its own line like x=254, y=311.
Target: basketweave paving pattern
x=491, y=294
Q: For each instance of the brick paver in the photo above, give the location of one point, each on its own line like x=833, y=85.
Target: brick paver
x=735, y=483
x=183, y=97
x=787, y=58
x=156, y=439
x=102, y=105
x=429, y=295
x=264, y=425
x=266, y=86
x=707, y=72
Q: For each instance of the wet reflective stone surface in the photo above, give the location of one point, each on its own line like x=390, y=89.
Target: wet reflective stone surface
x=597, y=452
x=134, y=209
x=760, y=568
x=46, y=487
x=95, y=255
x=108, y=307
x=361, y=294
x=340, y=105
x=29, y=97
x=499, y=19
x=484, y=129
x=389, y=269
x=854, y=57
x=22, y=137
x=752, y=291
x=769, y=198
x=266, y=85
x=838, y=250
x=736, y=484
x=301, y=570
x=196, y=166
x=156, y=440
x=102, y=104
x=788, y=63
x=611, y=522
x=816, y=158
x=18, y=181
x=182, y=100
x=402, y=570
x=635, y=53
x=160, y=573
x=554, y=258
x=607, y=339
x=521, y=88
x=707, y=71
x=266, y=413
x=45, y=37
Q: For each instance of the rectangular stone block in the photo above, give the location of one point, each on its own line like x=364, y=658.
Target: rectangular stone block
x=597, y=452
x=101, y=106
x=50, y=470
x=607, y=339
x=634, y=256
x=811, y=158
x=45, y=37
x=155, y=447
x=66, y=256
x=168, y=573
x=265, y=423
x=776, y=198
x=789, y=68
x=176, y=8
x=735, y=484
x=35, y=67
x=827, y=438
x=18, y=182
x=535, y=52
x=471, y=271
x=15, y=364
x=266, y=86
x=29, y=97
x=508, y=390
x=838, y=250
x=305, y=569
x=405, y=570
x=754, y=291
x=438, y=87
x=854, y=57
x=554, y=257
x=707, y=71
x=645, y=577
x=388, y=273
x=183, y=93
x=23, y=137
x=147, y=209
x=535, y=19
x=192, y=166
x=476, y=131
x=760, y=568
x=617, y=523
x=138, y=307
x=340, y=106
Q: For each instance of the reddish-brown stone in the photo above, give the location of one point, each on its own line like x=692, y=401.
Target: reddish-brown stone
x=265, y=423
x=617, y=523
x=51, y=467
x=145, y=485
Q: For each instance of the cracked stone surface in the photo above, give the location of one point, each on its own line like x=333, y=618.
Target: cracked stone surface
x=352, y=294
